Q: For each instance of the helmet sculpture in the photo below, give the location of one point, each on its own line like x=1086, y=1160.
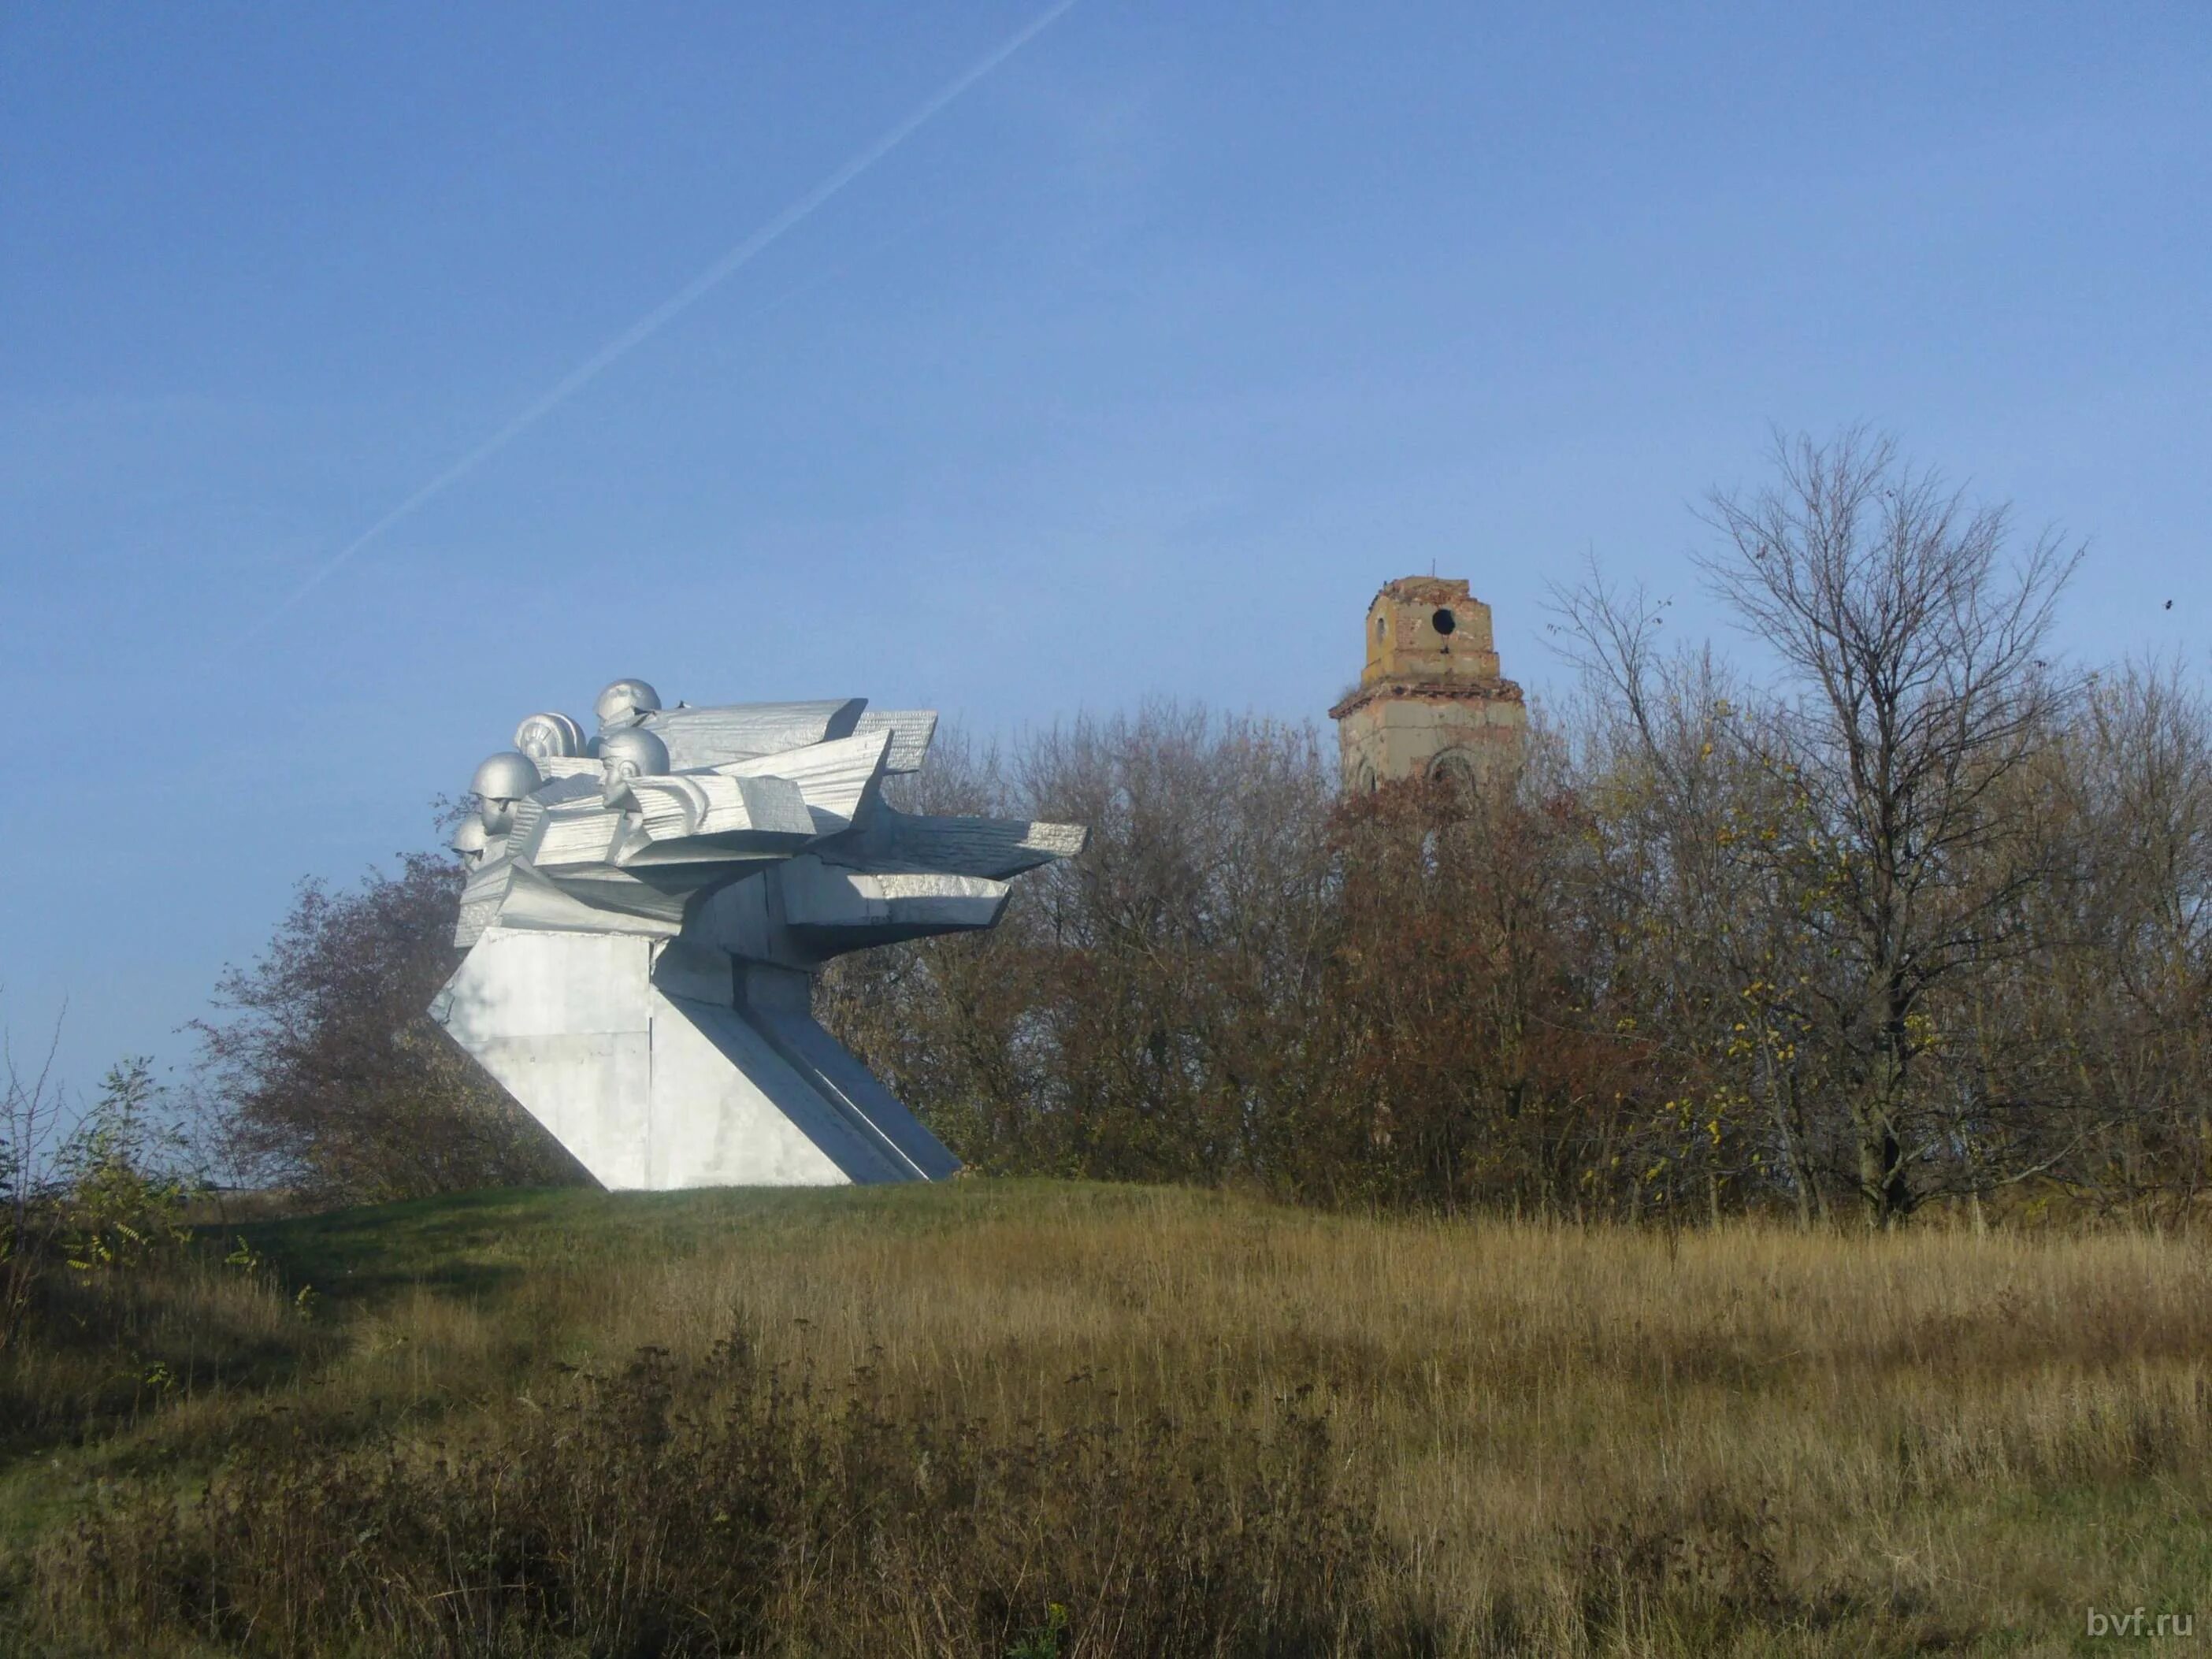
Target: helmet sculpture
x=500, y=782
x=626, y=702
x=471, y=842
x=547, y=736
x=626, y=754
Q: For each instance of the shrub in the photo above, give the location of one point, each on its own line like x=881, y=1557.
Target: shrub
x=725, y=1507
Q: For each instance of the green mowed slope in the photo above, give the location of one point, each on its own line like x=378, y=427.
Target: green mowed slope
x=479, y=1245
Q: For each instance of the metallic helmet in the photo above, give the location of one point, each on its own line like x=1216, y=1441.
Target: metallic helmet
x=470, y=841
x=625, y=703
x=544, y=736
x=500, y=782
x=506, y=776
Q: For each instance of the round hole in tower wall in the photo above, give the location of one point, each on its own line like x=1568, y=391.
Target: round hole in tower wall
x=1444, y=622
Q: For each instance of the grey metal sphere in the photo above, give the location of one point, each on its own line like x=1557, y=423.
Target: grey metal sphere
x=506, y=776
x=624, y=702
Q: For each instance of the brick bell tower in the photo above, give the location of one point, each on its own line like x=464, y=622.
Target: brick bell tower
x=1429, y=701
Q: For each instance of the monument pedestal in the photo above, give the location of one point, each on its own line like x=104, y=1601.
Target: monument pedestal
x=661, y=1064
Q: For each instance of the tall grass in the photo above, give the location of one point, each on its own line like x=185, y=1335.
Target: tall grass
x=106, y=1352
x=1022, y=1417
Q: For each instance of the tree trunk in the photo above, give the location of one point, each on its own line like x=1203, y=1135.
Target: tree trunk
x=1882, y=1184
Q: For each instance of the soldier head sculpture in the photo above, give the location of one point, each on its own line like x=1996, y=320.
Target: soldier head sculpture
x=641, y=943
x=626, y=754
x=626, y=702
x=470, y=841
x=501, y=781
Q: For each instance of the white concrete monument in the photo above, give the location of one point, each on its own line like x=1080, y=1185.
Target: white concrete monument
x=645, y=913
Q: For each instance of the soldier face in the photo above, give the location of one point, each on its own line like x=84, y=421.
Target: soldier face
x=614, y=774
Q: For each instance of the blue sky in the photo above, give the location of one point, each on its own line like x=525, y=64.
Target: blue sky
x=1134, y=370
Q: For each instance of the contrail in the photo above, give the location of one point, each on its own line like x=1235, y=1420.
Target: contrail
x=673, y=307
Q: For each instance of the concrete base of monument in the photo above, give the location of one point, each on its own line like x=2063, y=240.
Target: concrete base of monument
x=661, y=1065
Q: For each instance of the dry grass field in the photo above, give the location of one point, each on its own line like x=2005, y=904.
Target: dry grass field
x=1039, y=1418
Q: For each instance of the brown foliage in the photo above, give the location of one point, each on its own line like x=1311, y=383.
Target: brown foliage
x=329, y=1075
x=1468, y=1067
x=1143, y=1010
x=1621, y=982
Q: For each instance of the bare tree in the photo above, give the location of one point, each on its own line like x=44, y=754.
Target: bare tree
x=30, y=1114
x=1916, y=691
x=2121, y=1000
x=1142, y=1011
x=1709, y=961
x=1181, y=942
x=328, y=1073
x=946, y=1021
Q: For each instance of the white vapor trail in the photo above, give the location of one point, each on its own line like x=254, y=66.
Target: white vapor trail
x=673, y=307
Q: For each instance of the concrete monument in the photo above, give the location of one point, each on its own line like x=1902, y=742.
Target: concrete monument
x=645, y=911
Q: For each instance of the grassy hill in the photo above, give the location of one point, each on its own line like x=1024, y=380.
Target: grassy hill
x=1036, y=1417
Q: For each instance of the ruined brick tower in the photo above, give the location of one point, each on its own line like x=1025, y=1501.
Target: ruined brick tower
x=1429, y=701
